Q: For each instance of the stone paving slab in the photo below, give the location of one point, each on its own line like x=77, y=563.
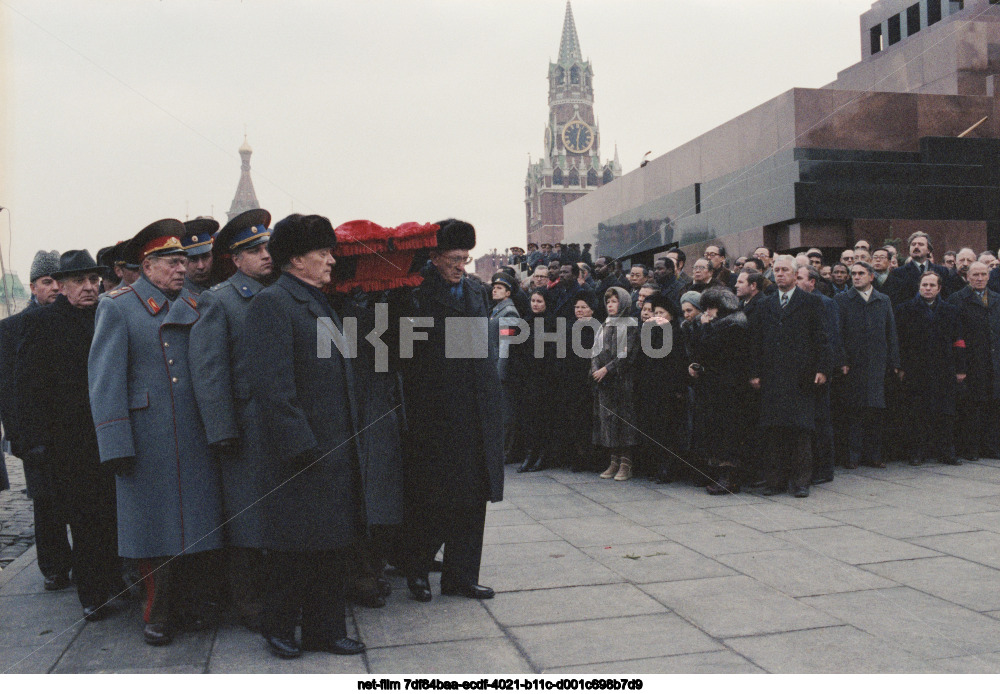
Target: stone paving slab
x=600, y=640
x=720, y=537
x=517, y=534
x=571, y=604
x=978, y=664
x=600, y=530
x=530, y=553
x=980, y=546
x=916, y=622
x=769, y=518
x=237, y=651
x=661, y=511
x=482, y=655
x=801, y=572
x=825, y=498
x=957, y=580
x=853, y=545
x=558, y=573
x=982, y=521
x=713, y=662
x=902, y=523
x=652, y=562
x=737, y=606
x=842, y=649
x=556, y=506
x=616, y=492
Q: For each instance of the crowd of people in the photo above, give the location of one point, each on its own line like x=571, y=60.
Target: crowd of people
x=781, y=369
x=181, y=410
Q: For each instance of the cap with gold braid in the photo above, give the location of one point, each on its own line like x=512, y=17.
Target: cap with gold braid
x=158, y=239
x=197, y=237
x=245, y=230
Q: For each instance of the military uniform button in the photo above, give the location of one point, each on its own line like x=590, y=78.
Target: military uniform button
x=170, y=361
x=166, y=344
x=174, y=379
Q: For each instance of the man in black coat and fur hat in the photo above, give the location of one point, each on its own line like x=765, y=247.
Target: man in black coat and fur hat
x=454, y=452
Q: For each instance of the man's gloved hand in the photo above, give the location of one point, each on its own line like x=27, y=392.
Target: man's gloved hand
x=225, y=448
x=122, y=466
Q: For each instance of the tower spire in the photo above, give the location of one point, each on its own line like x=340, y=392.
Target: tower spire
x=246, y=198
x=569, y=46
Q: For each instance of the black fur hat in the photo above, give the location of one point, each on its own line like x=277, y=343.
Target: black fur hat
x=298, y=234
x=719, y=298
x=453, y=234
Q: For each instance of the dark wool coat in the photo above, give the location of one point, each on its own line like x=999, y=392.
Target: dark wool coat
x=661, y=384
x=789, y=347
x=143, y=405
x=980, y=328
x=903, y=282
x=614, y=396
x=539, y=375
x=871, y=350
x=574, y=393
x=51, y=373
x=11, y=336
x=307, y=406
x=722, y=348
x=454, y=452
x=931, y=352
x=224, y=369
x=380, y=416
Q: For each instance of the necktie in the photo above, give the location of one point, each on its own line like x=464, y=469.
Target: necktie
x=784, y=300
x=983, y=297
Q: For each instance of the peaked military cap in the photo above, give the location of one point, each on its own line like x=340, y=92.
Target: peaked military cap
x=160, y=238
x=245, y=230
x=75, y=263
x=197, y=238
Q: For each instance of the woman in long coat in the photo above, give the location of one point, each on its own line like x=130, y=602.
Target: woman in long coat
x=612, y=369
x=720, y=350
x=540, y=380
x=574, y=390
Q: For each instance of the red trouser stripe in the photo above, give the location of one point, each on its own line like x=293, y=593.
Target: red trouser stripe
x=146, y=569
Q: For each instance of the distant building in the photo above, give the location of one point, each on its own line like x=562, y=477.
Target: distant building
x=19, y=296
x=571, y=166
x=874, y=155
x=245, y=198
x=489, y=264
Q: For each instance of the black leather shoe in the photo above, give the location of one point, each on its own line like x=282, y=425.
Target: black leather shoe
x=951, y=461
x=419, y=588
x=801, y=492
x=282, y=647
x=384, y=587
x=341, y=646
x=475, y=592
x=57, y=582
x=157, y=634
x=528, y=462
x=94, y=613
x=373, y=600
x=771, y=491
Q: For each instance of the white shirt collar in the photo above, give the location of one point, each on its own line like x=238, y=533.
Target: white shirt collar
x=868, y=294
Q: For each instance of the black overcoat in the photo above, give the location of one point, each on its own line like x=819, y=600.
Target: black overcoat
x=50, y=372
x=871, y=350
x=722, y=348
x=931, y=352
x=453, y=454
x=980, y=327
x=306, y=403
x=789, y=347
x=11, y=336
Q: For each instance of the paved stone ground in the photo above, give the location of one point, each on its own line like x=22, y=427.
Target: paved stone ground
x=16, y=521
x=892, y=570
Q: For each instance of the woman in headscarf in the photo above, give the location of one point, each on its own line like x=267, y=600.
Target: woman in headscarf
x=611, y=370
x=537, y=411
x=720, y=366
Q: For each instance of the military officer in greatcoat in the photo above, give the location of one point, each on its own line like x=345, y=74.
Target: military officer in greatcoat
x=313, y=506
x=150, y=433
x=223, y=369
x=197, y=243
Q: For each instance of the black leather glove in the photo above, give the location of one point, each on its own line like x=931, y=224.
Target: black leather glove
x=122, y=466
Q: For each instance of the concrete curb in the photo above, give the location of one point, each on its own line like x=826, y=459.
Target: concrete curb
x=17, y=566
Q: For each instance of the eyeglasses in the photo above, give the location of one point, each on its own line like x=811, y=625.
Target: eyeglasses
x=457, y=259
x=710, y=254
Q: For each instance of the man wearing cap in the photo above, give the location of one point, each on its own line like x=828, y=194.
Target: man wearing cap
x=197, y=243
x=223, y=370
x=51, y=374
x=305, y=401
x=455, y=446
x=123, y=267
x=150, y=434
x=51, y=541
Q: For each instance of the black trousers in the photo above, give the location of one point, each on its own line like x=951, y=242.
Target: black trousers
x=459, y=529
x=92, y=518
x=180, y=587
x=823, y=453
x=978, y=422
x=310, y=583
x=791, y=457
x=55, y=557
x=865, y=439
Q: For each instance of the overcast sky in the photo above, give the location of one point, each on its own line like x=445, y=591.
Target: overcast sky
x=115, y=114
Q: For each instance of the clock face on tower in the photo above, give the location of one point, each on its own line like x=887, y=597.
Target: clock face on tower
x=577, y=136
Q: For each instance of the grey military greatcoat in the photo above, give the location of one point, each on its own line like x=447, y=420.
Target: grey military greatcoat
x=222, y=369
x=143, y=404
